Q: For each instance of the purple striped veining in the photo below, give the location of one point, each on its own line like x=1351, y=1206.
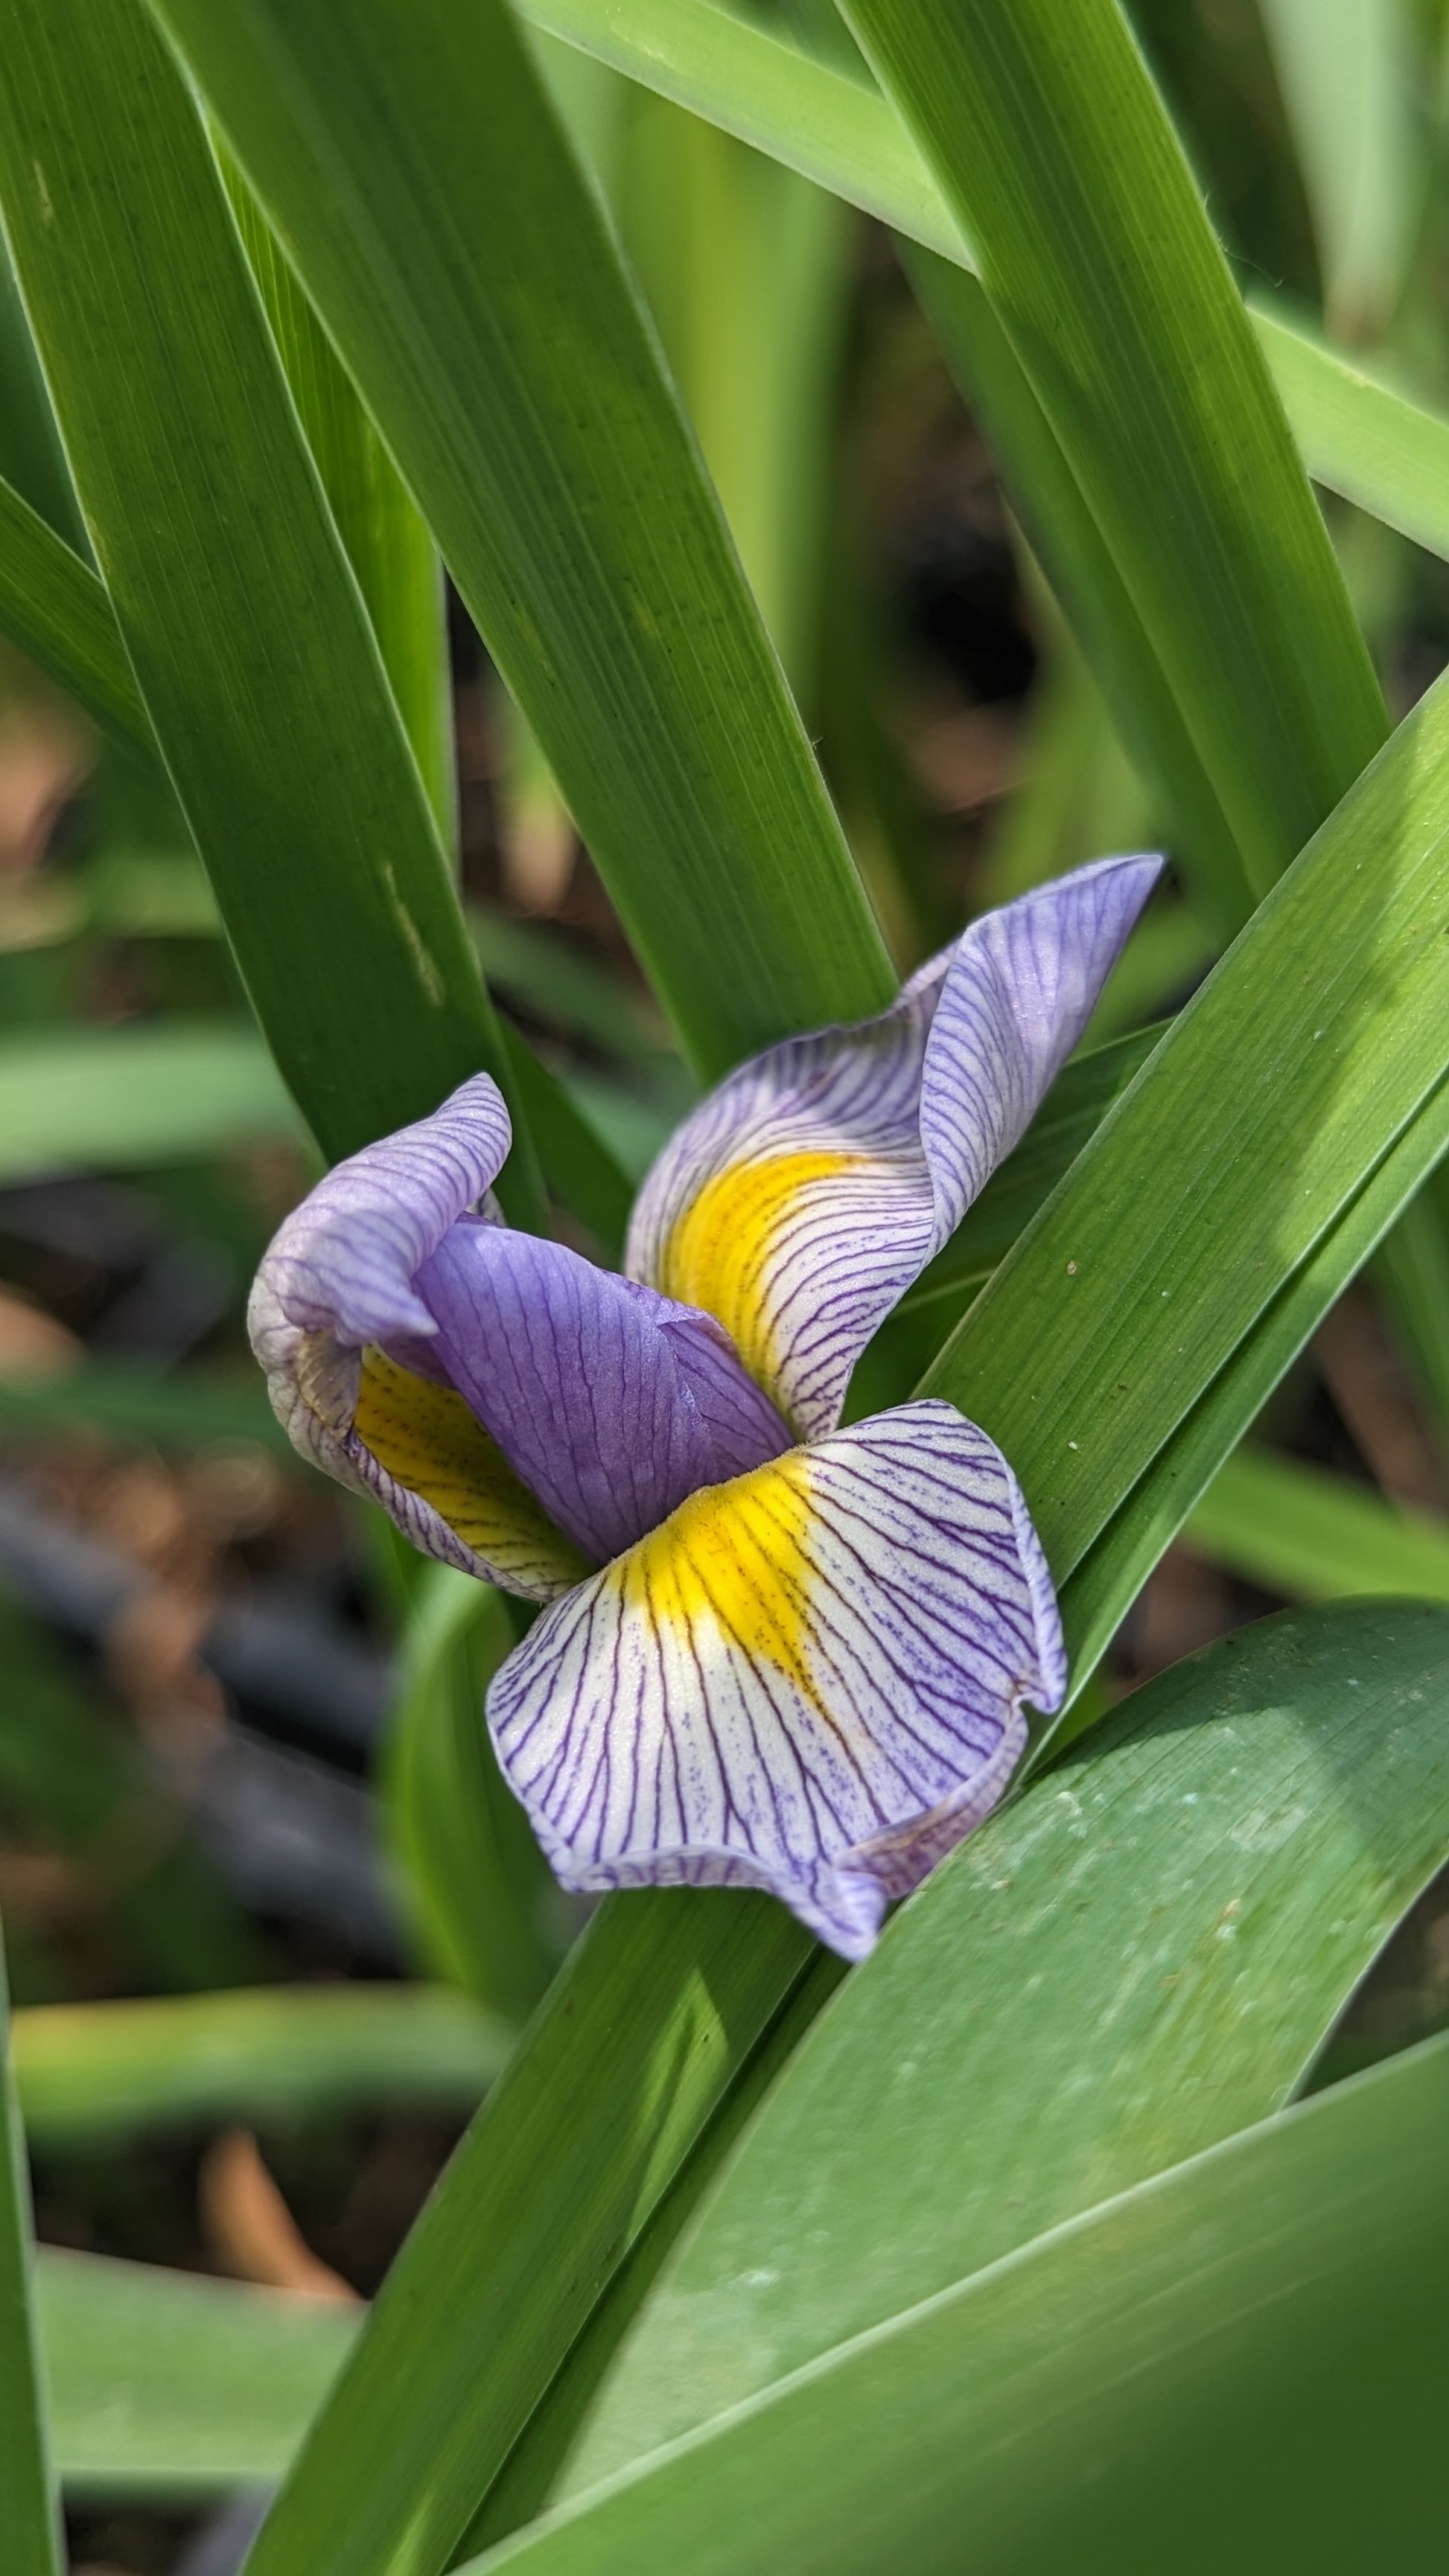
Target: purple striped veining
x=651, y=1754
x=343, y=1263
x=610, y=1403
x=927, y=1100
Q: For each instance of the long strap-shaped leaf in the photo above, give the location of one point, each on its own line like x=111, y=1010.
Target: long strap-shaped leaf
x=55, y=609
x=167, y=2385
x=107, y=2070
x=27, y=2500
x=1315, y=1536
x=1094, y=247
x=410, y=162
x=1113, y=1569
x=387, y=542
x=239, y=612
x=1083, y=572
x=1237, y=2365
x=1356, y=436
x=1141, y=1955
x=1249, y=1133
x=656, y=2012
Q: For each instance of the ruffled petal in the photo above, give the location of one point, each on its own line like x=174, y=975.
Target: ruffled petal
x=801, y=1199
x=611, y=1404
x=349, y=1348
x=809, y=1680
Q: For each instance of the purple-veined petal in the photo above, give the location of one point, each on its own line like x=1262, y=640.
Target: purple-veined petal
x=610, y=1404
x=336, y=1286
x=343, y=1263
x=804, y=1195
x=809, y=1680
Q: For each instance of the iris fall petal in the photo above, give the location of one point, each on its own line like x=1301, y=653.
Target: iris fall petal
x=808, y=1680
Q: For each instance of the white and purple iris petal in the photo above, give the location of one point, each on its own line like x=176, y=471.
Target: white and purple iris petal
x=802, y=1198
x=798, y=1667
x=810, y=1680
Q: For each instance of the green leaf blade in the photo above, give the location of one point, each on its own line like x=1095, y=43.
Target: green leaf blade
x=174, y=2388
x=1242, y=2354
x=32, y=2523
x=238, y=609
x=1237, y=1842
x=657, y=2011
x=112, y=2070
x=1095, y=250
x=1273, y=1098
x=410, y=163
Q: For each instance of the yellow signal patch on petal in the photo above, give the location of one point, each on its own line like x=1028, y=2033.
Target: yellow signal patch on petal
x=426, y=1437
x=725, y=1251
x=735, y=1555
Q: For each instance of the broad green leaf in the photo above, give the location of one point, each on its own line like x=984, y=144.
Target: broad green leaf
x=769, y=92
x=1238, y=2365
x=388, y=545
x=1273, y=1098
x=107, y=2070
x=32, y=460
x=482, y=1898
x=27, y=2499
x=657, y=2010
x=532, y=2467
x=112, y=1099
x=1315, y=1536
x=1138, y=1956
x=171, y=2387
x=845, y=135
x=238, y=608
x=55, y=609
x=409, y=161
x=1344, y=70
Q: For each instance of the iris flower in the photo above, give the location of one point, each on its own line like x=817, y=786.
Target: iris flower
x=776, y=1653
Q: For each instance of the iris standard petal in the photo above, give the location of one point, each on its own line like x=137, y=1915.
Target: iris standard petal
x=334, y=1315
x=809, y=1680
x=801, y=1199
x=610, y=1404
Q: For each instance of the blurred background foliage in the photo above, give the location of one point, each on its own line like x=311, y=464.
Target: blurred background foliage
x=239, y=1749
